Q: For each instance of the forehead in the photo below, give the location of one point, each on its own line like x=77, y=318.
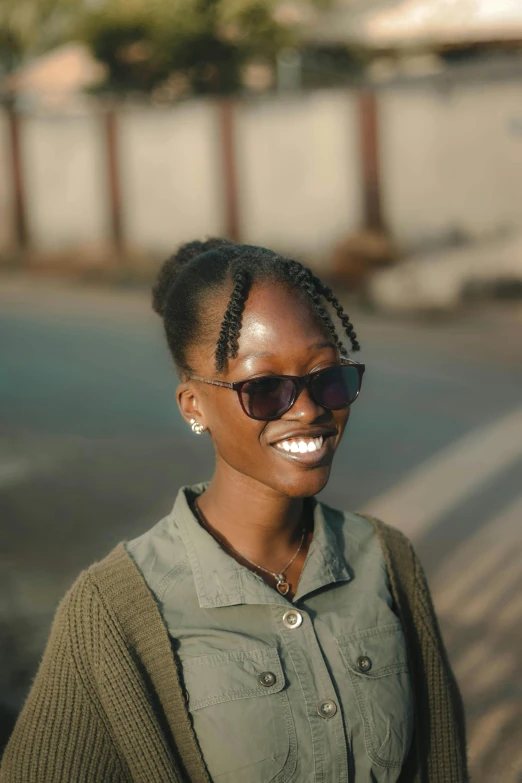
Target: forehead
x=280, y=320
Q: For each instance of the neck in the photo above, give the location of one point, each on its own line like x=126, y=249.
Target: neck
x=251, y=517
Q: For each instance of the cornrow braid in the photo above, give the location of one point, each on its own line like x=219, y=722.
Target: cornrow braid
x=227, y=344
x=344, y=319
x=308, y=283
x=329, y=296
x=200, y=271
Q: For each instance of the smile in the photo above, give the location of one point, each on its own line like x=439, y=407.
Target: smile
x=300, y=445
x=307, y=451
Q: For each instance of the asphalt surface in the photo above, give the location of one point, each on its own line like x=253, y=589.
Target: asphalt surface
x=92, y=450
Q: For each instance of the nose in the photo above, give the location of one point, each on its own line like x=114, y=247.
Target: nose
x=304, y=409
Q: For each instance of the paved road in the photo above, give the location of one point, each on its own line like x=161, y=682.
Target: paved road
x=92, y=450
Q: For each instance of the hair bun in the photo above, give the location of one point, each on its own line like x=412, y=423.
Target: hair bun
x=172, y=266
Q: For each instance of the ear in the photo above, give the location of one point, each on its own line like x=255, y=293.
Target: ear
x=189, y=403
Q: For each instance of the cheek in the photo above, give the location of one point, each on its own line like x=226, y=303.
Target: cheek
x=235, y=435
x=341, y=419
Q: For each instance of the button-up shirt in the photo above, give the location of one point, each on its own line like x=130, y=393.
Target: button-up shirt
x=314, y=690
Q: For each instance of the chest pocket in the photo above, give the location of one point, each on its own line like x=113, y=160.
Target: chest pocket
x=377, y=665
x=241, y=715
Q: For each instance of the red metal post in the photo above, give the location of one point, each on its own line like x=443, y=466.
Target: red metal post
x=113, y=177
x=229, y=166
x=369, y=138
x=21, y=232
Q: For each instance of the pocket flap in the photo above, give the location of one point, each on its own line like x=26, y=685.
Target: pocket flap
x=219, y=677
x=375, y=652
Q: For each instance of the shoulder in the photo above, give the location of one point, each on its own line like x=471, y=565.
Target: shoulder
x=97, y=590
x=361, y=525
x=84, y=599
x=159, y=554
x=389, y=535
x=109, y=600
x=134, y=567
x=366, y=531
x=76, y=630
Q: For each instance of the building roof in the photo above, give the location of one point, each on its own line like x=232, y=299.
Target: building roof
x=64, y=71
x=402, y=23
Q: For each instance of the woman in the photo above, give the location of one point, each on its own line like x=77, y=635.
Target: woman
x=254, y=634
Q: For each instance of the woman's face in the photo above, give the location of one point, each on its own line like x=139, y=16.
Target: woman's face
x=279, y=335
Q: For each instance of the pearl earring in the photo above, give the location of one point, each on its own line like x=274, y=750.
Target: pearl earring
x=197, y=428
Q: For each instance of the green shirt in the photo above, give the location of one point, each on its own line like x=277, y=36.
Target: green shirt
x=313, y=689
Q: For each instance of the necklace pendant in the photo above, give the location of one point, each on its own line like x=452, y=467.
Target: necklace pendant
x=282, y=586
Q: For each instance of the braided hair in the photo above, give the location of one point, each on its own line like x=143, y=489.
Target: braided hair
x=198, y=270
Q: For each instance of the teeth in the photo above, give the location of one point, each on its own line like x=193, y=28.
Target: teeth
x=301, y=446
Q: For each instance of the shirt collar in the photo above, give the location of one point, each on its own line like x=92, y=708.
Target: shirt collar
x=221, y=581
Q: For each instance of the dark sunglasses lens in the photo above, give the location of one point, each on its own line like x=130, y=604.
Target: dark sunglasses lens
x=336, y=387
x=267, y=398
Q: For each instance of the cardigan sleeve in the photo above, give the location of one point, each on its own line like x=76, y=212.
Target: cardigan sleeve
x=61, y=735
x=438, y=754
x=442, y=692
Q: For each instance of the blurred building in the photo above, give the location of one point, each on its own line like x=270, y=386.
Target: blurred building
x=56, y=80
x=421, y=37
x=434, y=24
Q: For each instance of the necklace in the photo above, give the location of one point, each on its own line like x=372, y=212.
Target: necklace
x=282, y=585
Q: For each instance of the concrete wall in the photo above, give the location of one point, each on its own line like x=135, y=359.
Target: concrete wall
x=452, y=160
x=65, y=180
x=170, y=175
x=298, y=187
x=299, y=174
x=449, y=160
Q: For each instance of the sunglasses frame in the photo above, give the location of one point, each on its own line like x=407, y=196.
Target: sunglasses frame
x=300, y=382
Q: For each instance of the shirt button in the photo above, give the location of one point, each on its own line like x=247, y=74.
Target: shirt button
x=326, y=709
x=292, y=619
x=267, y=679
x=364, y=664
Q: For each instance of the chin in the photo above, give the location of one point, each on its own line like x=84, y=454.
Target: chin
x=302, y=483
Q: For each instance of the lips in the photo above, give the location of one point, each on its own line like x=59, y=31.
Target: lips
x=307, y=449
x=300, y=445
x=305, y=434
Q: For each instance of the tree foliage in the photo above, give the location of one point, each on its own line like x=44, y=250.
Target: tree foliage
x=28, y=27
x=143, y=42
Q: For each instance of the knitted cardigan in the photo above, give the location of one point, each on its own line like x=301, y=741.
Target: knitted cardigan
x=107, y=703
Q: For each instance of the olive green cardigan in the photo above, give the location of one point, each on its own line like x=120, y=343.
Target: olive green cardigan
x=107, y=704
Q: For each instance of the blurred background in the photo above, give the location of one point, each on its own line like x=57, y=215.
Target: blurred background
x=379, y=142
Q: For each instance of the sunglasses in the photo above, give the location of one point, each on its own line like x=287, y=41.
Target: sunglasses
x=271, y=396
